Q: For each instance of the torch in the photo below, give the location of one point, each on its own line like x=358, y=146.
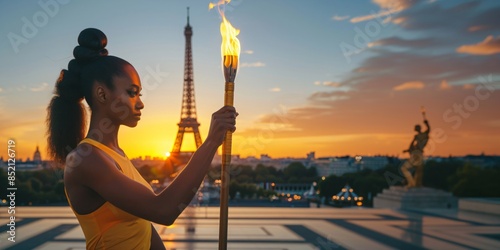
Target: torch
x=230, y=51
x=422, y=109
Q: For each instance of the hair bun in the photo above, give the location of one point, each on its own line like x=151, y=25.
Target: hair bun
x=92, y=45
x=93, y=39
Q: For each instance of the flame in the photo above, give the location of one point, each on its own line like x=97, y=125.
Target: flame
x=221, y=2
x=230, y=44
x=230, y=47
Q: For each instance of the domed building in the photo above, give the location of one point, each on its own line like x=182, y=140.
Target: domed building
x=37, y=157
x=35, y=163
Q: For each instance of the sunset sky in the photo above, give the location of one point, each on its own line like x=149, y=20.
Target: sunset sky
x=334, y=77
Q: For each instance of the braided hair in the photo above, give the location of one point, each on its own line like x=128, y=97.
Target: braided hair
x=66, y=116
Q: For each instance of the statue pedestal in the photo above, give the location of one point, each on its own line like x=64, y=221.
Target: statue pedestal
x=397, y=197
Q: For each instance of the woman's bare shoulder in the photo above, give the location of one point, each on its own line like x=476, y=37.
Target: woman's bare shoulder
x=85, y=158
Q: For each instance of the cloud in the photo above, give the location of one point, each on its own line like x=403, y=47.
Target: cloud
x=371, y=106
x=487, y=20
x=327, y=83
x=41, y=87
x=319, y=97
x=477, y=28
x=1, y=89
x=394, y=4
x=444, y=85
x=332, y=84
x=422, y=57
x=388, y=8
x=489, y=46
x=435, y=17
x=247, y=52
x=388, y=119
x=371, y=16
x=253, y=65
x=387, y=69
x=469, y=86
x=405, y=43
x=277, y=89
x=410, y=85
x=339, y=18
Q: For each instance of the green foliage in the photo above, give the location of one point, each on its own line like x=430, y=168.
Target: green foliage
x=452, y=175
x=472, y=181
x=463, y=179
x=295, y=169
x=35, y=183
x=233, y=189
x=438, y=174
x=150, y=173
x=262, y=193
x=243, y=178
x=296, y=172
x=3, y=184
x=331, y=185
x=261, y=170
x=248, y=191
x=36, y=187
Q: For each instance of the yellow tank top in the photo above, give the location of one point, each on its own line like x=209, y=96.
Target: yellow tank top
x=109, y=227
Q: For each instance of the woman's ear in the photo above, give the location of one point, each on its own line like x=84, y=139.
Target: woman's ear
x=101, y=93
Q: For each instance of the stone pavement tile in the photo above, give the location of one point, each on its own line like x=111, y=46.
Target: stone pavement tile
x=62, y=246
x=407, y=232
x=472, y=217
x=277, y=228
x=472, y=236
x=344, y=237
x=33, y=229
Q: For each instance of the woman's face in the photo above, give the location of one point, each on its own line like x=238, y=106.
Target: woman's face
x=125, y=107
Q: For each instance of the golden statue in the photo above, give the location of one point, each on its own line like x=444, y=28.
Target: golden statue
x=416, y=159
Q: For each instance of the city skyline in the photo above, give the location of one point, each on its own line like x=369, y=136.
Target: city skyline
x=331, y=77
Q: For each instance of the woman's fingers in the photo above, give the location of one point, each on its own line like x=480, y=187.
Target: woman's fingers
x=223, y=120
x=226, y=109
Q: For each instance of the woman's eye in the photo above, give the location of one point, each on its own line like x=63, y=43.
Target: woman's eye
x=133, y=93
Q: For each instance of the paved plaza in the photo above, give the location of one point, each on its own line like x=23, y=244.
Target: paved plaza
x=54, y=228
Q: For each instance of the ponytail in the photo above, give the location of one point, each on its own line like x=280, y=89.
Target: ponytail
x=65, y=117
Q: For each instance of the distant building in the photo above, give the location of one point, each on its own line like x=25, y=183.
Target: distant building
x=37, y=157
x=373, y=163
x=287, y=188
x=152, y=162
x=339, y=166
x=483, y=161
x=28, y=164
x=265, y=159
x=326, y=166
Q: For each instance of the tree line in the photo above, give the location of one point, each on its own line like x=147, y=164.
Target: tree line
x=462, y=178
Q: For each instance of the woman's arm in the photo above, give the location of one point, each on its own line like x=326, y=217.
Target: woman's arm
x=99, y=174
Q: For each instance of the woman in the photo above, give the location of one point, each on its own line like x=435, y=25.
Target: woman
x=113, y=203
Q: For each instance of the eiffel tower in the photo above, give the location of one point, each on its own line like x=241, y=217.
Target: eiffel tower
x=189, y=122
